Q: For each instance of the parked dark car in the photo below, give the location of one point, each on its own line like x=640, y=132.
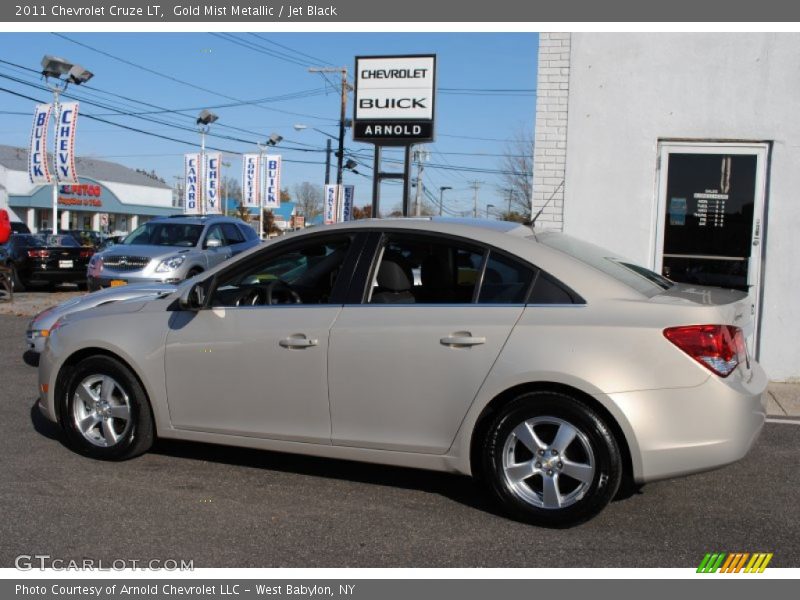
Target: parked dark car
x=19, y=227
x=47, y=260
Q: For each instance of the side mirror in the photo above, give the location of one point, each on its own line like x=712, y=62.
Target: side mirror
x=192, y=298
x=213, y=243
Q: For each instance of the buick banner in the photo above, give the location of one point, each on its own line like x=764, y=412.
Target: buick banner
x=272, y=197
x=37, y=155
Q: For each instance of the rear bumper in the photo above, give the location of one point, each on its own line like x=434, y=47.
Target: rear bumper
x=687, y=430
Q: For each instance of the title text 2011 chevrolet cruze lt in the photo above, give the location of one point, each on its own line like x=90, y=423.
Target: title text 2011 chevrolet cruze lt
x=548, y=368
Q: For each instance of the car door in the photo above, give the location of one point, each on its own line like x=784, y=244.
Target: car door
x=254, y=361
x=234, y=238
x=407, y=362
x=215, y=254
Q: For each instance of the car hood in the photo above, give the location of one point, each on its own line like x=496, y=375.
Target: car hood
x=143, y=291
x=147, y=251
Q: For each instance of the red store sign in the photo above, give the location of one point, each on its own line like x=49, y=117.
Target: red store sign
x=80, y=194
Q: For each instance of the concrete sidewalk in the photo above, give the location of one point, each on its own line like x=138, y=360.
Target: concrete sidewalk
x=783, y=399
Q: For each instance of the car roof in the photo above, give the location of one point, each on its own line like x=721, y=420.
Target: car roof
x=195, y=219
x=451, y=224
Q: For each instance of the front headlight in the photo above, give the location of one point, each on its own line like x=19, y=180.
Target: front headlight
x=170, y=264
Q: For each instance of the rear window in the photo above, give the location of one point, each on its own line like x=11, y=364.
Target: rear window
x=639, y=278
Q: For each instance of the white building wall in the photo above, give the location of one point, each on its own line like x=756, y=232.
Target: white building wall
x=627, y=91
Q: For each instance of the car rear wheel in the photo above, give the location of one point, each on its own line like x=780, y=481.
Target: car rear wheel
x=551, y=460
x=106, y=413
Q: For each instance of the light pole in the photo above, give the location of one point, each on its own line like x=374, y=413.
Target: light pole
x=488, y=206
x=204, y=121
x=222, y=165
x=56, y=68
x=441, y=197
x=274, y=140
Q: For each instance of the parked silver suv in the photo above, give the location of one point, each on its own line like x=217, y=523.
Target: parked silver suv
x=170, y=249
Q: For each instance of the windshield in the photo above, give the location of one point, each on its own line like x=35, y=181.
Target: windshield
x=165, y=234
x=639, y=278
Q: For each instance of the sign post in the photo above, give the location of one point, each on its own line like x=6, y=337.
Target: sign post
x=394, y=106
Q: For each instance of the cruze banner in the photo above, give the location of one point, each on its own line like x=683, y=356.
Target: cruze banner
x=212, y=181
x=251, y=164
x=37, y=155
x=66, y=123
x=272, y=197
x=191, y=198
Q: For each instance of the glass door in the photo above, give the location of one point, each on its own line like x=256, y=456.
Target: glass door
x=710, y=223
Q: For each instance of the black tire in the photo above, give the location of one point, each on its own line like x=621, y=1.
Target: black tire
x=82, y=286
x=194, y=271
x=135, y=434
x=16, y=282
x=594, y=444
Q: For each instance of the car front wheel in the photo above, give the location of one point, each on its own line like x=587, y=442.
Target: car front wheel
x=106, y=412
x=551, y=460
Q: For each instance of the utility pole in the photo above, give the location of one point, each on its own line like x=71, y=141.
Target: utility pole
x=342, y=115
x=441, y=197
x=328, y=151
x=475, y=185
x=420, y=156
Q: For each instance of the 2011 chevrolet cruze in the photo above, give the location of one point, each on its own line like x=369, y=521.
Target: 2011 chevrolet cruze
x=548, y=368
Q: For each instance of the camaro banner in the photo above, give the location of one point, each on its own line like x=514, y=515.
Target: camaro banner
x=251, y=166
x=37, y=155
x=191, y=193
x=272, y=198
x=66, y=123
x=212, y=179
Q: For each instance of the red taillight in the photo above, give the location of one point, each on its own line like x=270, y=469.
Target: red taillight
x=719, y=348
x=86, y=253
x=38, y=253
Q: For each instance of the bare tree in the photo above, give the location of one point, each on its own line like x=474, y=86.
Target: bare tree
x=309, y=199
x=517, y=163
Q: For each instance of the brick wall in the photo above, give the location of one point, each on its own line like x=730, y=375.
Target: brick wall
x=550, y=145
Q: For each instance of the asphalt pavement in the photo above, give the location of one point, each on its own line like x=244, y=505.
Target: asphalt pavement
x=227, y=507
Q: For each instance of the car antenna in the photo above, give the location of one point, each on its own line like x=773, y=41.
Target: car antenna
x=555, y=191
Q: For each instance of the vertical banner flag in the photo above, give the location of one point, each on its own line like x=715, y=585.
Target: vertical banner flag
x=66, y=123
x=212, y=183
x=37, y=155
x=191, y=192
x=347, y=204
x=332, y=204
x=272, y=199
x=251, y=164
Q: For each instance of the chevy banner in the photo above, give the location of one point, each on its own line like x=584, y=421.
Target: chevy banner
x=212, y=180
x=37, y=155
x=191, y=193
x=66, y=123
x=272, y=168
x=251, y=192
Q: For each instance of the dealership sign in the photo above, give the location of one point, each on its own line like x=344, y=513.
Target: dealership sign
x=347, y=204
x=331, y=204
x=37, y=154
x=394, y=99
x=66, y=123
x=213, y=201
x=191, y=197
x=251, y=164
x=272, y=195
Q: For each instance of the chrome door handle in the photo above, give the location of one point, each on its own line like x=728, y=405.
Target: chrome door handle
x=298, y=341
x=462, y=338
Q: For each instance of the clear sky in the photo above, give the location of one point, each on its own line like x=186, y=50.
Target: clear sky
x=227, y=70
